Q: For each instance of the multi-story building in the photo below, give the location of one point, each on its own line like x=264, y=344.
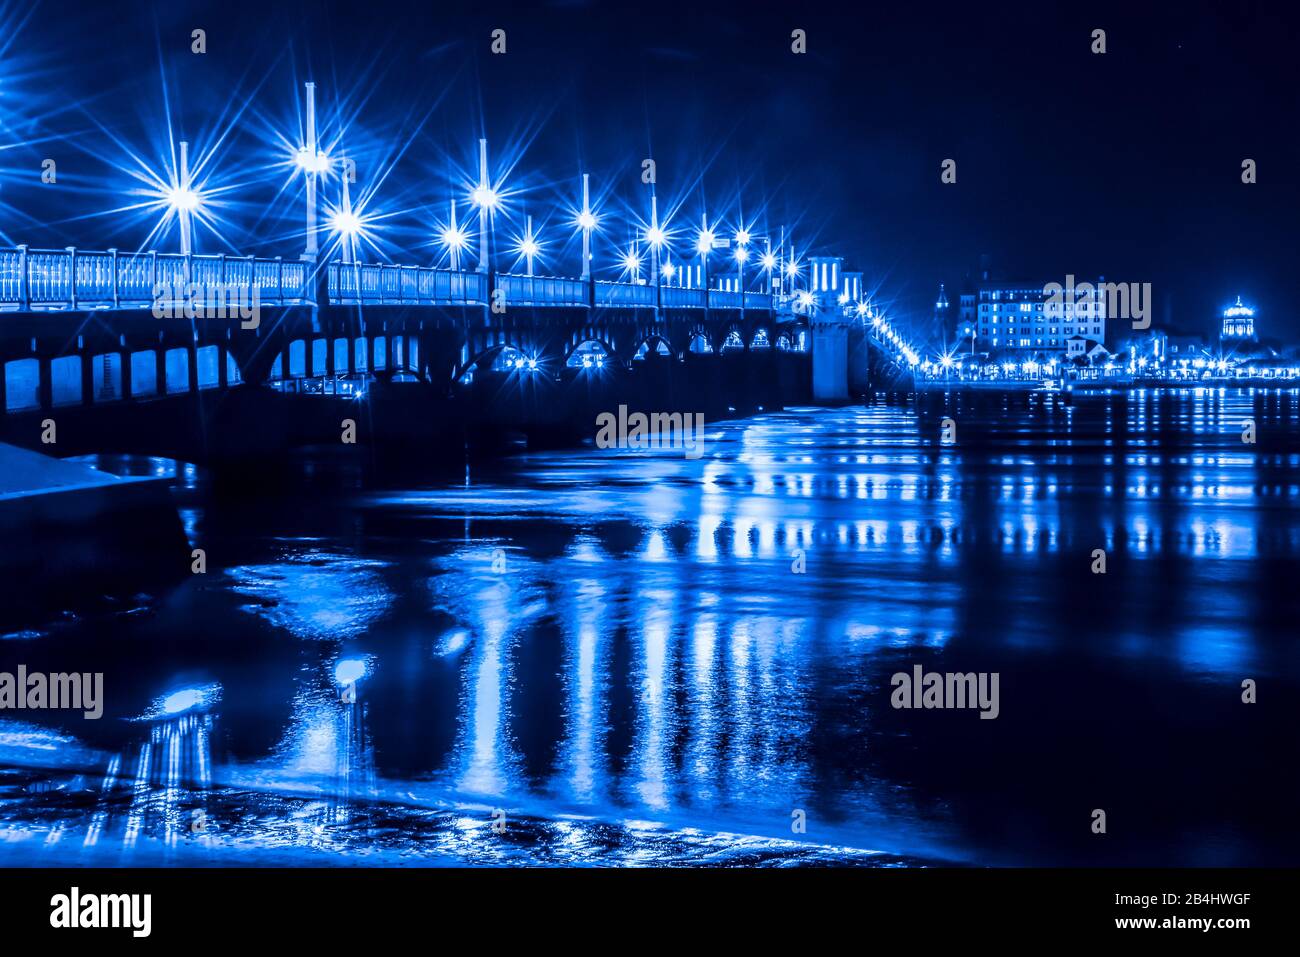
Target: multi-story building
x=1027, y=317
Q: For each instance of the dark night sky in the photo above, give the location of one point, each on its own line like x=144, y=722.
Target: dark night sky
x=1126, y=164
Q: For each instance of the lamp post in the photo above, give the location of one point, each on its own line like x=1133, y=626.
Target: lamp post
x=310, y=161
x=453, y=238
x=485, y=199
x=529, y=246
x=587, y=221
x=346, y=222
x=654, y=238
x=185, y=199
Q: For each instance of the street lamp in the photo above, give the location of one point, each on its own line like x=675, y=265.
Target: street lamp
x=703, y=243
x=655, y=239
x=586, y=222
x=528, y=246
x=453, y=238
x=486, y=199
x=183, y=199
x=632, y=263
x=312, y=161
x=346, y=223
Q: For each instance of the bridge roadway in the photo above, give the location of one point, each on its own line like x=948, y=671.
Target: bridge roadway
x=115, y=351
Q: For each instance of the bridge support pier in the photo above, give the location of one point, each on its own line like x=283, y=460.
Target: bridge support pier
x=830, y=349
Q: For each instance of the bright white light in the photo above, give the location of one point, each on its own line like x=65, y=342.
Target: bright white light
x=587, y=219
x=350, y=670
x=654, y=236
x=485, y=196
x=742, y=237
x=742, y=254
x=183, y=198
x=347, y=223
x=861, y=309
x=529, y=247
x=631, y=261
x=792, y=269
x=768, y=261
x=453, y=237
x=704, y=242
x=668, y=270
x=182, y=700
x=320, y=163
x=806, y=298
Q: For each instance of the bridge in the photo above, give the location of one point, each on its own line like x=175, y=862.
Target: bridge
x=139, y=352
x=210, y=357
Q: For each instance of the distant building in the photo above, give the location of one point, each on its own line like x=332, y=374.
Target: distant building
x=943, y=314
x=1187, y=347
x=1022, y=317
x=1238, y=324
x=1080, y=346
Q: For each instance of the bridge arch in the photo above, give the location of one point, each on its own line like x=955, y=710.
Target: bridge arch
x=655, y=343
x=589, y=353
x=733, y=340
x=698, y=342
x=499, y=357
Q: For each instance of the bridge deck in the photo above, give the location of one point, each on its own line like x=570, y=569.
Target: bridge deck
x=72, y=279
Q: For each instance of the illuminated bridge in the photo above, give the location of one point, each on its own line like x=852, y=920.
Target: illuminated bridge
x=137, y=352
x=213, y=357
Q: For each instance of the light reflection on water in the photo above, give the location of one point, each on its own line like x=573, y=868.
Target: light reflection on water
x=643, y=658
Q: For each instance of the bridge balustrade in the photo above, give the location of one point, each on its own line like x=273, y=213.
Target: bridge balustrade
x=376, y=283
x=71, y=278
x=679, y=297
x=542, y=290
x=624, y=294
x=75, y=278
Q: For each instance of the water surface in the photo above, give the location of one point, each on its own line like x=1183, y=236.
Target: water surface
x=645, y=659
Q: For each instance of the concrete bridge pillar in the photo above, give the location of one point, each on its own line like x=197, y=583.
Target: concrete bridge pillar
x=859, y=359
x=830, y=352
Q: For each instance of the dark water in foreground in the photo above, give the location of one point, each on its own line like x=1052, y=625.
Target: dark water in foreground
x=617, y=649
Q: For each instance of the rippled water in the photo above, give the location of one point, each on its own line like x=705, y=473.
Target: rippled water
x=645, y=659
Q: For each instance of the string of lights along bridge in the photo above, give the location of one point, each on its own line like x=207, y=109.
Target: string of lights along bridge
x=705, y=267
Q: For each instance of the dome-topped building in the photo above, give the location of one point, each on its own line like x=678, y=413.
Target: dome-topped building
x=1238, y=323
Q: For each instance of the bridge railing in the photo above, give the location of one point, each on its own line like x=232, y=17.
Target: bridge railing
x=624, y=294
x=679, y=297
x=77, y=278
x=541, y=290
x=53, y=279
x=385, y=282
